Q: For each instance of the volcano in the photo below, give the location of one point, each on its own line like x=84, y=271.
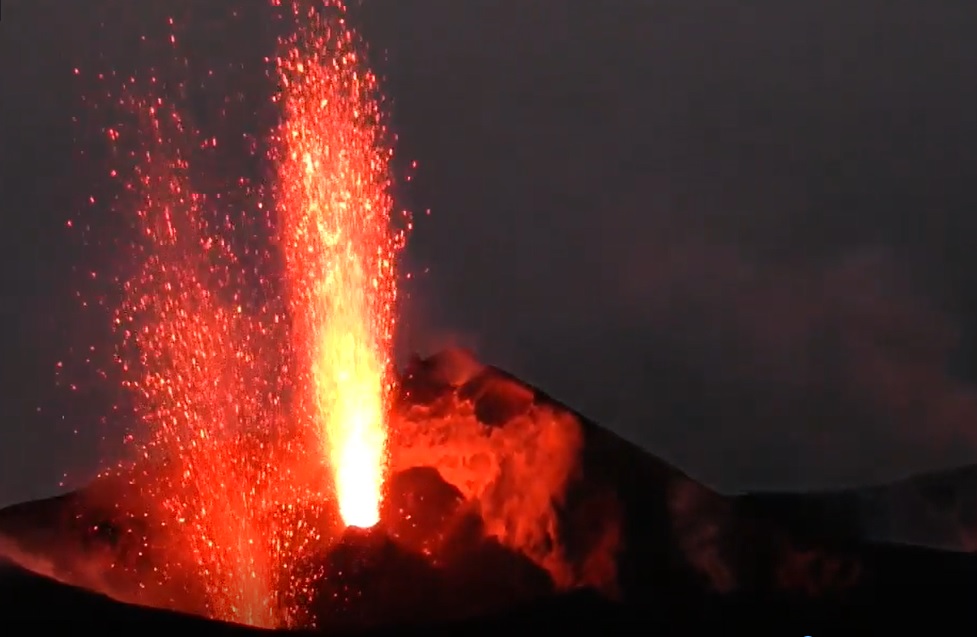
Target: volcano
x=506, y=510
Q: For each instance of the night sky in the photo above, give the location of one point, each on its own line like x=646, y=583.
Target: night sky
x=739, y=234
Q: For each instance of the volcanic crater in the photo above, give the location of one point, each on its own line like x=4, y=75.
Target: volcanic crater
x=499, y=497
x=485, y=507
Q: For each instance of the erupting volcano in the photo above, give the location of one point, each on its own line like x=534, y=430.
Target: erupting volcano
x=284, y=474
x=259, y=419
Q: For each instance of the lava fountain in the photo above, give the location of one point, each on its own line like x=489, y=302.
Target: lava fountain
x=334, y=209
x=241, y=401
x=205, y=392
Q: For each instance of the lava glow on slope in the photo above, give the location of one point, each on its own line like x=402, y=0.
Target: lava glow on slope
x=248, y=407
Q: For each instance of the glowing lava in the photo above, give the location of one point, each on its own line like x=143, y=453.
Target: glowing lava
x=339, y=247
x=243, y=402
x=194, y=359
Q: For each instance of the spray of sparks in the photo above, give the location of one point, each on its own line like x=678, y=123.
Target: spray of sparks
x=194, y=361
x=334, y=202
x=247, y=408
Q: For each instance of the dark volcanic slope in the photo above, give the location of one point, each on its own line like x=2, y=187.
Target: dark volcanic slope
x=518, y=507
x=681, y=547
x=937, y=510
x=31, y=602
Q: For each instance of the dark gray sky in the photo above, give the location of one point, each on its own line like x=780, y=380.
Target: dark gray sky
x=739, y=234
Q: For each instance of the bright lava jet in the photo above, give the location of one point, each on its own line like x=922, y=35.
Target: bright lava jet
x=334, y=206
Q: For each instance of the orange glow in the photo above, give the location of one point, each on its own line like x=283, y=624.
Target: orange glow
x=193, y=358
x=247, y=406
x=335, y=231
x=263, y=394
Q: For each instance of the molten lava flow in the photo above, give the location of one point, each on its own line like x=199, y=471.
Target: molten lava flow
x=339, y=247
